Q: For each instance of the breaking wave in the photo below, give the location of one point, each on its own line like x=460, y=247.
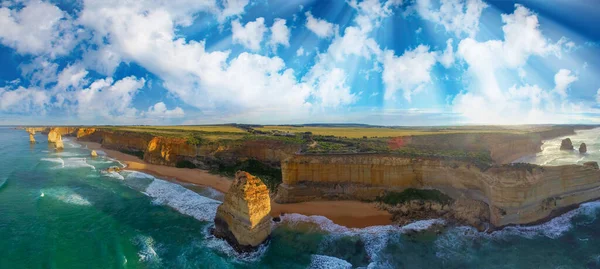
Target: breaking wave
x=69, y=162
x=147, y=252
x=65, y=195
x=183, y=200
x=323, y=262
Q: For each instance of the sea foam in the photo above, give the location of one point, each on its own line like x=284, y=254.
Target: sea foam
x=325, y=262
x=147, y=252
x=183, y=200
x=65, y=195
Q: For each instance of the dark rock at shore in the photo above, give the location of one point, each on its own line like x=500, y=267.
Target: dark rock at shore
x=276, y=219
x=566, y=144
x=592, y=164
x=582, y=148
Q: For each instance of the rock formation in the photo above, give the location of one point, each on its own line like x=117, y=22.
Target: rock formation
x=592, y=165
x=31, y=132
x=243, y=219
x=566, y=144
x=582, y=148
x=58, y=143
x=514, y=194
x=54, y=136
x=94, y=153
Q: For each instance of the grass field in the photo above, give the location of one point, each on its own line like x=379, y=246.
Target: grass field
x=359, y=132
x=196, y=128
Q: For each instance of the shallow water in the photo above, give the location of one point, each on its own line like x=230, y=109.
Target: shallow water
x=552, y=155
x=59, y=210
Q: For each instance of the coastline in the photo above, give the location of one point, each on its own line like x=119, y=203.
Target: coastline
x=352, y=214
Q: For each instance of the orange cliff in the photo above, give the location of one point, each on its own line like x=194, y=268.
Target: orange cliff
x=515, y=194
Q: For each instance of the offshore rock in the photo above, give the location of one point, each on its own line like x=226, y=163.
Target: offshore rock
x=566, y=144
x=243, y=219
x=54, y=136
x=58, y=143
x=31, y=138
x=94, y=153
x=582, y=148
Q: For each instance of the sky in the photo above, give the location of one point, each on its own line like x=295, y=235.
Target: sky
x=380, y=62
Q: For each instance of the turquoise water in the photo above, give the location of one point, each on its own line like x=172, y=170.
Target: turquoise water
x=58, y=210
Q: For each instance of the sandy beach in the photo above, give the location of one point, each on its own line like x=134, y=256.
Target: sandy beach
x=352, y=214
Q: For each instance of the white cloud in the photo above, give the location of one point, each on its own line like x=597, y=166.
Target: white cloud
x=300, y=51
x=409, y=72
x=71, y=76
x=23, y=100
x=40, y=71
x=249, y=35
x=485, y=101
x=447, y=58
x=280, y=34
x=457, y=16
x=231, y=8
x=321, y=28
x=598, y=96
x=563, y=79
x=159, y=110
x=38, y=28
x=109, y=100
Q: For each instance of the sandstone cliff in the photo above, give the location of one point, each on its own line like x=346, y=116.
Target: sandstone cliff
x=515, y=194
x=244, y=217
x=53, y=135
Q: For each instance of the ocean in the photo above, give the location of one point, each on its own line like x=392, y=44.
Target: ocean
x=60, y=210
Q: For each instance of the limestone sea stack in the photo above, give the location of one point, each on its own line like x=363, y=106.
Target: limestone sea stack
x=94, y=153
x=31, y=138
x=582, y=148
x=243, y=219
x=58, y=144
x=54, y=136
x=566, y=144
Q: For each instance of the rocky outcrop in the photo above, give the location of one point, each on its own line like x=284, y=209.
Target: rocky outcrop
x=82, y=132
x=54, y=135
x=58, y=143
x=514, y=194
x=243, y=219
x=591, y=164
x=94, y=153
x=31, y=132
x=566, y=144
x=582, y=148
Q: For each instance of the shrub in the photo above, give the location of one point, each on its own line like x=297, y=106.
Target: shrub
x=185, y=164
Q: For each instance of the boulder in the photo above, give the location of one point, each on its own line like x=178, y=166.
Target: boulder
x=115, y=169
x=592, y=164
x=243, y=219
x=94, y=153
x=582, y=148
x=566, y=144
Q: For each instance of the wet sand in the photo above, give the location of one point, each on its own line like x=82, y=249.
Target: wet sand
x=352, y=214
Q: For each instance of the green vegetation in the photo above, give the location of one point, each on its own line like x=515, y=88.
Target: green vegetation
x=411, y=194
x=137, y=153
x=269, y=175
x=185, y=164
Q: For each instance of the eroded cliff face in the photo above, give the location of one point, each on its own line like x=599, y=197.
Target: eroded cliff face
x=515, y=194
x=168, y=151
x=171, y=150
x=53, y=135
x=244, y=217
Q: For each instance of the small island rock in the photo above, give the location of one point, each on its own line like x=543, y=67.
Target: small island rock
x=243, y=219
x=566, y=144
x=94, y=153
x=582, y=148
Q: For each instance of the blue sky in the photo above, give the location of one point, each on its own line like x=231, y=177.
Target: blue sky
x=394, y=62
